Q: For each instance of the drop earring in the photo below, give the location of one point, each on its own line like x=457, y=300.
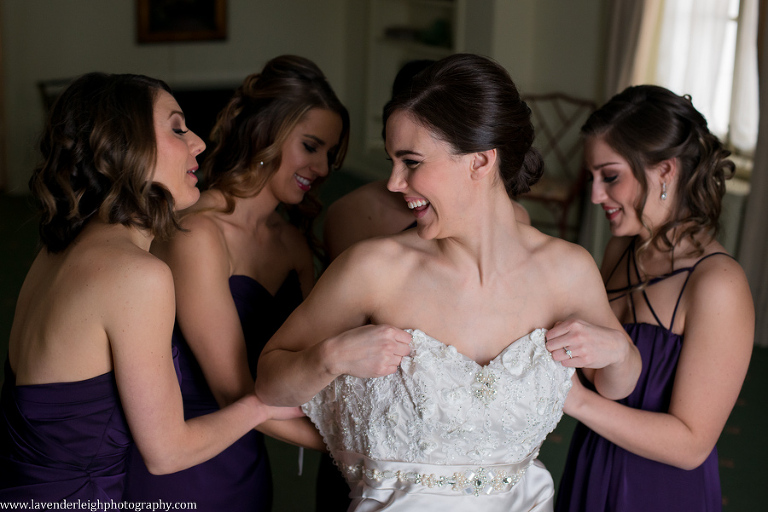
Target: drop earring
x=663, y=191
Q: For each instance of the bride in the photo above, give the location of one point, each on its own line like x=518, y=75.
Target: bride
x=450, y=412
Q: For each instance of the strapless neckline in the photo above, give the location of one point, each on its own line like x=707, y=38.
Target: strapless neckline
x=249, y=279
x=535, y=335
x=72, y=384
x=291, y=278
x=10, y=376
x=444, y=430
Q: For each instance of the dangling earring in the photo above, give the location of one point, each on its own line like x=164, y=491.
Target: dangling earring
x=663, y=191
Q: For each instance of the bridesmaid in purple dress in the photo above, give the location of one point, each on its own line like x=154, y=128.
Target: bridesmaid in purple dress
x=90, y=368
x=241, y=267
x=659, y=175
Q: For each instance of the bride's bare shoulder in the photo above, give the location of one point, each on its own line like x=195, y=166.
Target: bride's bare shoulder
x=386, y=248
x=552, y=249
x=381, y=258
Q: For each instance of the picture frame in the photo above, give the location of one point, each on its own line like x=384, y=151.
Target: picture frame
x=162, y=21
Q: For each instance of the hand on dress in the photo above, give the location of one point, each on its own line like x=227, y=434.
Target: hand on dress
x=579, y=344
x=370, y=351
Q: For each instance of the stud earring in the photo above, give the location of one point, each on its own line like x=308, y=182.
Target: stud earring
x=261, y=163
x=663, y=191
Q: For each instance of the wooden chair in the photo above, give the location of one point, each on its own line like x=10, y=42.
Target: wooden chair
x=557, y=119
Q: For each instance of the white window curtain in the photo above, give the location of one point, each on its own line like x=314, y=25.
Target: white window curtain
x=691, y=47
x=745, y=98
x=688, y=30
x=633, y=41
x=694, y=54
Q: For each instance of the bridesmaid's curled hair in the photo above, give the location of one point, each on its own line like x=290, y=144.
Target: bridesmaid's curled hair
x=252, y=127
x=250, y=131
x=647, y=124
x=98, y=154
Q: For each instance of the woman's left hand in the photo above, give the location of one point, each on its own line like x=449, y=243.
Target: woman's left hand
x=580, y=344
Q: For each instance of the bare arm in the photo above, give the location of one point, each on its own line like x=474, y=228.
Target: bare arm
x=205, y=309
x=139, y=330
x=297, y=431
x=719, y=332
x=208, y=318
x=595, y=338
x=342, y=228
x=368, y=211
x=327, y=335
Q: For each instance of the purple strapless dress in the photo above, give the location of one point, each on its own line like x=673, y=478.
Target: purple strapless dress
x=59, y=441
x=239, y=478
x=602, y=477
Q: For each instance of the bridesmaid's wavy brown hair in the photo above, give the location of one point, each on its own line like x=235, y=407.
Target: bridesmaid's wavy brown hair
x=253, y=126
x=647, y=124
x=98, y=155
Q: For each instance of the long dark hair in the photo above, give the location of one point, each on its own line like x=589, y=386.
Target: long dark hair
x=98, y=152
x=471, y=103
x=647, y=124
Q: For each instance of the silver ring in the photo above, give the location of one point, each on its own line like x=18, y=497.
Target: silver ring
x=567, y=351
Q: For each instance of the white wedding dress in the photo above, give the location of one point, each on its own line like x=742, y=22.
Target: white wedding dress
x=445, y=433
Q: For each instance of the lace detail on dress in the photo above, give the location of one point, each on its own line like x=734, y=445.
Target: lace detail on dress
x=443, y=408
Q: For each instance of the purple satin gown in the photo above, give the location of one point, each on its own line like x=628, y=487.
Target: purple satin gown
x=62, y=440
x=239, y=478
x=601, y=477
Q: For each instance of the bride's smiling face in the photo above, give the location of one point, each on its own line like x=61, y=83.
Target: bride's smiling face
x=427, y=172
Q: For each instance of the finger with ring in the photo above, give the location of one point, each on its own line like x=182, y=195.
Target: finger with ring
x=568, y=352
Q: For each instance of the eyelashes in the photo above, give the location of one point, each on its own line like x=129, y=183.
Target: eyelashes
x=605, y=179
x=410, y=164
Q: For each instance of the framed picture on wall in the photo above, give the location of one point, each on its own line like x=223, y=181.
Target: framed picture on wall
x=161, y=21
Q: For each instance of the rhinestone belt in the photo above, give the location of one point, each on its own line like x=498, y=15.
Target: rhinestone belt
x=473, y=480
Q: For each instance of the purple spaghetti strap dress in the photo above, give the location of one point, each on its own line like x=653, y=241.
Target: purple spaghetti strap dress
x=601, y=477
x=58, y=441
x=239, y=478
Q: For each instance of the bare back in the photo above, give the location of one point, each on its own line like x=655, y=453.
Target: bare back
x=59, y=332
x=667, y=297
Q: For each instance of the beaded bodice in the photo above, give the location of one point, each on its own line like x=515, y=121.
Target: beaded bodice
x=442, y=408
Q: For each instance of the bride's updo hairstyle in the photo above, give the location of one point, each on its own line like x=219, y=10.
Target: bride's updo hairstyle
x=98, y=154
x=471, y=103
x=647, y=124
